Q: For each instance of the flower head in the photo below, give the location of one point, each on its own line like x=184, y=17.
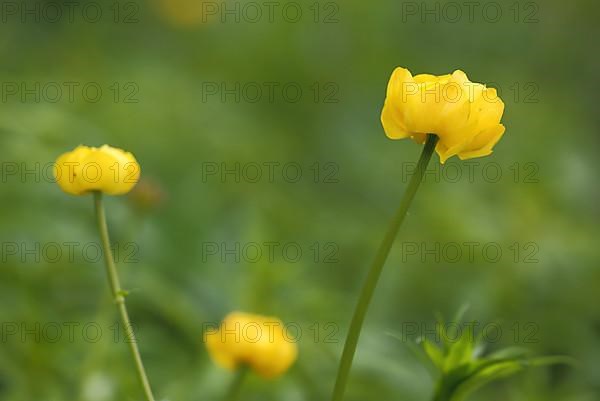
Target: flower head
x=259, y=342
x=106, y=169
x=464, y=115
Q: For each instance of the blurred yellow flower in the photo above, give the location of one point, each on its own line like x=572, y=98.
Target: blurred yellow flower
x=184, y=13
x=464, y=115
x=106, y=169
x=147, y=195
x=259, y=342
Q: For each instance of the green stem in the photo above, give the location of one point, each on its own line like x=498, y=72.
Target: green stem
x=443, y=390
x=371, y=282
x=235, y=389
x=119, y=295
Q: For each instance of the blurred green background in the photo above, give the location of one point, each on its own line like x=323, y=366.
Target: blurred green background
x=158, y=63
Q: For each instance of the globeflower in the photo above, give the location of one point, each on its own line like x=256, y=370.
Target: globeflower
x=254, y=341
x=106, y=169
x=465, y=116
x=100, y=171
x=449, y=115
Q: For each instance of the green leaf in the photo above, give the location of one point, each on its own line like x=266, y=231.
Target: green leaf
x=485, y=374
x=461, y=313
x=460, y=352
x=434, y=353
x=487, y=370
x=510, y=352
x=462, y=368
x=419, y=353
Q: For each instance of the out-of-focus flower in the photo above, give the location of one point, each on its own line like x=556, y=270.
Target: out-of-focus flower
x=259, y=342
x=184, y=13
x=147, y=195
x=106, y=169
x=464, y=115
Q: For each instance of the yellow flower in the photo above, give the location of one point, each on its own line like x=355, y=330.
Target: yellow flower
x=259, y=342
x=464, y=115
x=186, y=13
x=106, y=169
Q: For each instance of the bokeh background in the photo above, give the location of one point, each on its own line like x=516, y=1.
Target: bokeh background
x=165, y=67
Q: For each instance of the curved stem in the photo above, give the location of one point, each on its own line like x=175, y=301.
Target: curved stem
x=371, y=282
x=119, y=295
x=233, y=394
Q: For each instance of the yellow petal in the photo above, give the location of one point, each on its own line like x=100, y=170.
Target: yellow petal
x=483, y=143
x=393, y=116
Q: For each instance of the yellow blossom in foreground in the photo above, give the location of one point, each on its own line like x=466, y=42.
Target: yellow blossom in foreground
x=106, y=169
x=259, y=342
x=464, y=115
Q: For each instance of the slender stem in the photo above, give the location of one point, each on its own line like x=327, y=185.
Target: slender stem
x=235, y=389
x=371, y=282
x=119, y=295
